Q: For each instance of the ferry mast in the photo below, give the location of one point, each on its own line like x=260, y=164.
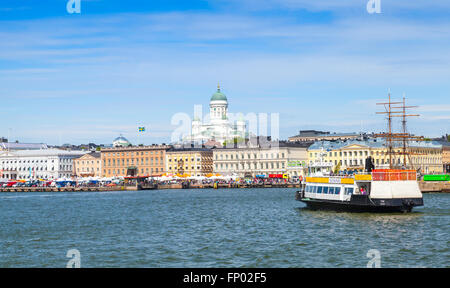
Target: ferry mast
x=397, y=111
x=405, y=131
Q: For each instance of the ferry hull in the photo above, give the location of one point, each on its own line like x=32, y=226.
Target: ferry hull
x=362, y=203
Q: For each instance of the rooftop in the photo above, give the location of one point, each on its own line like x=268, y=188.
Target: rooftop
x=218, y=96
x=22, y=146
x=313, y=133
x=137, y=148
x=44, y=152
x=94, y=154
x=189, y=150
x=372, y=143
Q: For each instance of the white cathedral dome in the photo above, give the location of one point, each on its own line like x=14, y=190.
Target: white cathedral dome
x=121, y=142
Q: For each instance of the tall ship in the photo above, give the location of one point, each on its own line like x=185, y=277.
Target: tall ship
x=394, y=189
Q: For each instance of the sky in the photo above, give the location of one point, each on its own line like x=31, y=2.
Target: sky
x=118, y=65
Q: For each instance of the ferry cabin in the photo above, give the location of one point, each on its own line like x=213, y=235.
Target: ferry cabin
x=331, y=191
x=382, y=190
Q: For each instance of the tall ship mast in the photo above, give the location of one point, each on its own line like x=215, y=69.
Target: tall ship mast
x=376, y=190
x=395, y=140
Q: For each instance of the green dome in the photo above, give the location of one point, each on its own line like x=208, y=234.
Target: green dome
x=218, y=96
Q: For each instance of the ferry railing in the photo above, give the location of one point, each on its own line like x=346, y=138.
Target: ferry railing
x=394, y=175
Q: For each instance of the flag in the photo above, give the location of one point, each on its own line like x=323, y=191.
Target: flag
x=141, y=129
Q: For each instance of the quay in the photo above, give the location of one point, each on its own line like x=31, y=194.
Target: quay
x=145, y=187
x=228, y=186
x=68, y=189
x=425, y=187
x=434, y=186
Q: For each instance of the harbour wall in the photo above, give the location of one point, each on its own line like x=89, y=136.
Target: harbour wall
x=425, y=187
x=434, y=186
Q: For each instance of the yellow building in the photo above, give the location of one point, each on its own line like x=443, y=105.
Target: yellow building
x=351, y=155
x=134, y=160
x=88, y=165
x=189, y=161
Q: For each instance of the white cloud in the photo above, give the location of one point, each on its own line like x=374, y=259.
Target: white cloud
x=265, y=62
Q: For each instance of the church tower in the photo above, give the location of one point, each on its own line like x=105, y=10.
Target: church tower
x=218, y=107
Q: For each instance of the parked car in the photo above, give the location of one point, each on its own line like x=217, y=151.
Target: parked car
x=10, y=184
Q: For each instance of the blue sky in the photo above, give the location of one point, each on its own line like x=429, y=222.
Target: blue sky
x=78, y=78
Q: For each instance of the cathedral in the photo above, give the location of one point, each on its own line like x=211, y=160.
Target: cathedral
x=219, y=128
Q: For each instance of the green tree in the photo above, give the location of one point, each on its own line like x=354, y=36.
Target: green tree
x=235, y=140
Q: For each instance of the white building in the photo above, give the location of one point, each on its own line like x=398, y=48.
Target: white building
x=220, y=127
x=252, y=162
x=37, y=164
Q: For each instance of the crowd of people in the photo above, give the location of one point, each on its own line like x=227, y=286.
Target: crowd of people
x=239, y=181
x=150, y=181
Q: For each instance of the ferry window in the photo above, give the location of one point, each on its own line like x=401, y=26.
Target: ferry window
x=319, y=189
x=337, y=190
x=331, y=190
x=325, y=190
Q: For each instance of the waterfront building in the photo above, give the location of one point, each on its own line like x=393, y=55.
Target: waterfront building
x=446, y=158
x=37, y=164
x=134, y=160
x=88, y=165
x=351, y=154
x=219, y=127
x=287, y=158
x=12, y=146
x=189, y=161
x=314, y=135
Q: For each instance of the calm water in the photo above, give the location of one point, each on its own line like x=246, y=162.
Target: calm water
x=213, y=228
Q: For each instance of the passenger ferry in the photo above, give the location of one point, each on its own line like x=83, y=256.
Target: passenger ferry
x=377, y=190
x=382, y=190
